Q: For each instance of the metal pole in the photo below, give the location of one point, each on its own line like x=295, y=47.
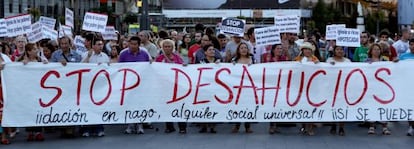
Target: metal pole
x=144, y=25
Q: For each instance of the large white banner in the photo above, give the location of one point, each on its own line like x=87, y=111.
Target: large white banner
x=3, y=28
x=267, y=36
x=142, y=92
x=19, y=25
x=48, y=22
x=69, y=17
x=349, y=37
x=288, y=23
x=94, y=22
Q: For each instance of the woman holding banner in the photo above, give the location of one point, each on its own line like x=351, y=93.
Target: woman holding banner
x=4, y=131
x=168, y=56
x=375, y=54
x=275, y=55
x=209, y=52
x=243, y=56
x=306, y=55
x=30, y=54
x=338, y=57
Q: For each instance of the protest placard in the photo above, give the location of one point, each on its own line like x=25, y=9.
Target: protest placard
x=331, y=31
x=19, y=25
x=48, y=22
x=267, y=35
x=94, y=22
x=288, y=24
x=3, y=28
x=110, y=33
x=287, y=92
x=349, y=37
x=79, y=44
x=49, y=33
x=36, y=34
x=232, y=26
x=69, y=17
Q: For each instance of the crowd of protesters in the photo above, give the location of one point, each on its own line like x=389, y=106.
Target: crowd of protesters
x=201, y=46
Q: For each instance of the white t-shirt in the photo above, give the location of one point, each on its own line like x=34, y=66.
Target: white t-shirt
x=6, y=59
x=98, y=58
x=401, y=47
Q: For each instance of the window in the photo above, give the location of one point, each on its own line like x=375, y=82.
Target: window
x=20, y=6
x=11, y=6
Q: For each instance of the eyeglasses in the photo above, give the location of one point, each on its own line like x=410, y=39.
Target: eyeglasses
x=364, y=36
x=254, y=50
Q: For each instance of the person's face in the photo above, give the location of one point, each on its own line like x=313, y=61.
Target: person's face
x=364, y=38
x=332, y=43
x=278, y=50
x=125, y=45
x=412, y=47
x=133, y=45
x=406, y=35
x=87, y=44
x=64, y=44
x=114, y=51
x=98, y=46
x=197, y=37
x=210, y=52
x=205, y=40
x=20, y=44
x=339, y=52
x=174, y=35
x=187, y=38
x=142, y=36
x=47, y=52
x=237, y=39
x=244, y=51
x=376, y=51
x=307, y=52
x=384, y=38
x=223, y=41
x=32, y=52
x=291, y=37
x=168, y=48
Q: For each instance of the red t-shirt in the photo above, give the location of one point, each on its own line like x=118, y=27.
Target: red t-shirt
x=191, y=52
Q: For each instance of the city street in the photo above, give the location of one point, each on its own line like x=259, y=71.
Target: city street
x=356, y=138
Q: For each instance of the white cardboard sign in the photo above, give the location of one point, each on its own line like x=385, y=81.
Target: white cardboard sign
x=69, y=17
x=48, y=22
x=331, y=31
x=94, y=22
x=288, y=24
x=49, y=33
x=267, y=35
x=36, y=34
x=19, y=25
x=3, y=28
x=109, y=33
x=349, y=37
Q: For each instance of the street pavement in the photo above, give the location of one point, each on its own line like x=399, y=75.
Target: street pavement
x=289, y=138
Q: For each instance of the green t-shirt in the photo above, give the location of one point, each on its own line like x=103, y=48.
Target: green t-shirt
x=361, y=54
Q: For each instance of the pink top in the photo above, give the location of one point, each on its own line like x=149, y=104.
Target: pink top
x=173, y=59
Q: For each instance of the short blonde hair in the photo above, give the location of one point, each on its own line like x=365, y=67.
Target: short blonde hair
x=21, y=38
x=168, y=41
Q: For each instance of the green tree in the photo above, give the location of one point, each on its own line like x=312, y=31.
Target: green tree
x=322, y=15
